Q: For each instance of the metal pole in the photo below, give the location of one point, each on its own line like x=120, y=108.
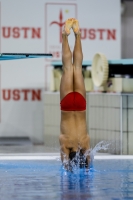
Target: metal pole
x=121, y=128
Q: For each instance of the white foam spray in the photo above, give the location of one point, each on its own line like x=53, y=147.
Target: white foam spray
x=79, y=161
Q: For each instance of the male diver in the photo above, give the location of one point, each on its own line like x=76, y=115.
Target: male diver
x=73, y=128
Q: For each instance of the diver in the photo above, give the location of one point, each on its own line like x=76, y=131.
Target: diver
x=73, y=128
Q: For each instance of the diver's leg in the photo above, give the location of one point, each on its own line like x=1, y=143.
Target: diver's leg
x=79, y=85
x=66, y=85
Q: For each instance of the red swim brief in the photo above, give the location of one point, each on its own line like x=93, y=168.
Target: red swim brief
x=73, y=101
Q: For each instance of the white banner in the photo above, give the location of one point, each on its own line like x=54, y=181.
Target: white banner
x=34, y=26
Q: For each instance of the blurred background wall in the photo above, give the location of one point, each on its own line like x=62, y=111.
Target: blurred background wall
x=35, y=26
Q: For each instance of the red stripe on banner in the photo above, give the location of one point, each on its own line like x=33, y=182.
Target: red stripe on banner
x=45, y=21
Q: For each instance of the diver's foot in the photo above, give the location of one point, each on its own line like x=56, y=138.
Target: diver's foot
x=75, y=26
x=68, y=26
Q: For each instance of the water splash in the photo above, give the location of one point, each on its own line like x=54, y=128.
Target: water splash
x=80, y=160
x=103, y=145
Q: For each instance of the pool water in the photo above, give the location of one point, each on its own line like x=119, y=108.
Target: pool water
x=108, y=179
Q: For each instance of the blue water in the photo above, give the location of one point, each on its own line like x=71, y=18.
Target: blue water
x=108, y=179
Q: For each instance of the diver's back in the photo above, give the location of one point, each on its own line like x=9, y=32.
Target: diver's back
x=73, y=123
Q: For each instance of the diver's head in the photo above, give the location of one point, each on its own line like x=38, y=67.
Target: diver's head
x=79, y=159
